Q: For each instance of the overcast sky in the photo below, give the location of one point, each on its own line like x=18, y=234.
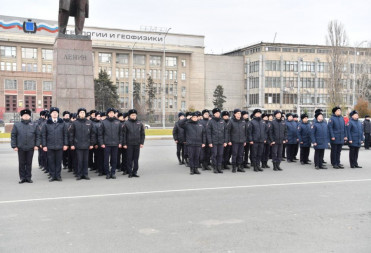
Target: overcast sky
x=226, y=24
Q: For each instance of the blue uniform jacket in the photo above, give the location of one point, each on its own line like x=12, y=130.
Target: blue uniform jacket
x=355, y=133
x=292, y=132
x=304, y=134
x=337, y=130
x=320, y=135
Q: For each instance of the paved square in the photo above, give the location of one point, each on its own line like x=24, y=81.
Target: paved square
x=166, y=210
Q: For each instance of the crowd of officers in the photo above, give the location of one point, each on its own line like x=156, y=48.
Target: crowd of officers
x=105, y=142
x=220, y=139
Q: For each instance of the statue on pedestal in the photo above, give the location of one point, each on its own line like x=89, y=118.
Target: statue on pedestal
x=74, y=8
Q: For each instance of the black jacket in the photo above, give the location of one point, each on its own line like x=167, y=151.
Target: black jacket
x=178, y=133
x=194, y=132
x=81, y=134
x=258, y=130
x=134, y=133
x=366, y=126
x=54, y=135
x=237, y=131
x=110, y=132
x=25, y=135
x=205, y=123
x=216, y=131
x=96, y=124
x=278, y=131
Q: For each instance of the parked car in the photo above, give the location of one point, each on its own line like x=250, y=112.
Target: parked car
x=147, y=126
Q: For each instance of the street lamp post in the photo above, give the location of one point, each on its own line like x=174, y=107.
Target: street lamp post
x=132, y=77
x=163, y=81
x=355, y=72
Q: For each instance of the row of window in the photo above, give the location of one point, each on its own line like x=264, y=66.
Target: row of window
x=305, y=99
x=27, y=53
x=29, y=102
x=154, y=60
x=171, y=89
x=27, y=85
x=27, y=67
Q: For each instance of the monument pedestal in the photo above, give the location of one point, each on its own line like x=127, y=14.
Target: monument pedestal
x=73, y=85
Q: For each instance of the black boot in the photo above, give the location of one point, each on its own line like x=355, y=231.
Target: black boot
x=187, y=162
x=180, y=162
x=266, y=165
x=234, y=170
x=215, y=169
x=196, y=171
x=263, y=165
x=255, y=167
x=274, y=166
x=205, y=166
x=259, y=168
x=192, y=171
x=226, y=167
x=219, y=169
x=240, y=168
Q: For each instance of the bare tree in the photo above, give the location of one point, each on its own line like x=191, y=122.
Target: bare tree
x=336, y=40
x=363, y=84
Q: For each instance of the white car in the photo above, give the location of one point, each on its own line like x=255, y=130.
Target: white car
x=147, y=126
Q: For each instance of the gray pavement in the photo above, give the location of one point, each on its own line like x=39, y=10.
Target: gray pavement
x=166, y=210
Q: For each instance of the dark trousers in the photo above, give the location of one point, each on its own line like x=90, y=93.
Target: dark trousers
x=55, y=162
x=304, y=154
x=91, y=160
x=66, y=157
x=246, y=156
x=277, y=153
x=266, y=152
x=122, y=159
x=25, y=163
x=227, y=154
x=73, y=161
x=110, y=158
x=43, y=159
x=367, y=140
x=256, y=152
x=353, y=156
x=237, y=153
x=290, y=151
x=296, y=150
x=335, y=153
x=79, y=17
x=133, y=152
x=284, y=150
x=100, y=160
x=318, y=157
x=205, y=154
x=194, y=156
x=82, y=156
x=180, y=151
x=186, y=151
x=217, y=154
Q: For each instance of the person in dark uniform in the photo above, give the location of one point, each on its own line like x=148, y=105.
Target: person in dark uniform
x=206, y=151
x=227, y=152
x=283, y=118
x=278, y=136
x=42, y=158
x=133, y=141
x=195, y=139
x=338, y=135
x=66, y=154
x=292, y=138
x=73, y=165
x=296, y=148
x=356, y=138
x=245, y=117
x=186, y=157
x=92, y=159
x=217, y=138
x=120, y=117
x=320, y=140
x=82, y=139
x=304, y=139
x=178, y=136
x=366, y=125
x=24, y=140
x=257, y=135
x=98, y=150
x=110, y=139
x=54, y=139
x=237, y=138
x=266, y=148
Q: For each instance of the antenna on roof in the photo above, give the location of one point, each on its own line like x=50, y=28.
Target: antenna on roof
x=274, y=39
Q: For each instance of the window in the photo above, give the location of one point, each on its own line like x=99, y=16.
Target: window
x=46, y=68
x=8, y=66
x=29, y=53
x=307, y=82
x=289, y=99
x=183, y=76
x=272, y=82
x=105, y=57
x=321, y=67
x=290, y=82
x=184, y=63
x=29, y=85
x=183, y=105
x=47, y=86
x=321, y=83
x=9, y=52
x=273, y=66
x=254, y=67
x=171, y=61
x=30, y=102
x=322, y=98
x=272, y=98
x=275, y=49
x=126, y=73
x=307, y=50
x=289, y=49
x=47, y=101
x=10, y=84
x=253, y=82
x=307, y=66
x=291, y=66
x=184, y=91
x=307, y=99
x=323, y=51
x=47, y=54
x=122, y=59
x=139, y=59
x=10, y=103
x=29, y=67
x=155, y=61
x=254, y=99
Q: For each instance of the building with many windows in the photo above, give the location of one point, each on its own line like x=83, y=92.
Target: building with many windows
x=293, y=77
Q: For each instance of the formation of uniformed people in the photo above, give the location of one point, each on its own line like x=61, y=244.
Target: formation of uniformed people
x=235, y=139
x=105, y=142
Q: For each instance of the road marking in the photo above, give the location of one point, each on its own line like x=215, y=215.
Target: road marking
x=183, y=190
